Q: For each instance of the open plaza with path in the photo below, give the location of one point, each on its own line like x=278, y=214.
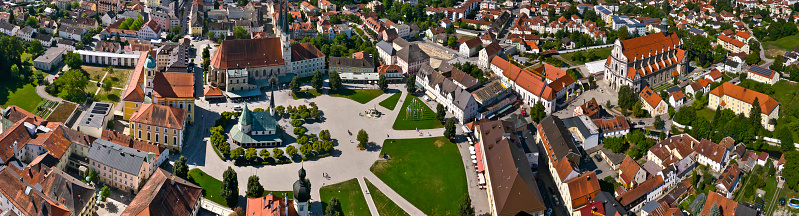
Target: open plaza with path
x=342, y=117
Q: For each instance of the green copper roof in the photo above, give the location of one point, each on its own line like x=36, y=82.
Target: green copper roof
x=150, y=62
x=246, y=116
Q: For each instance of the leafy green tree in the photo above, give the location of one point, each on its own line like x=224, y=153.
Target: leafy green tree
x=334, y=208
x=74, y=82
x=335, y=81
x=237, y=152
x=36, y=48
x=206, y=53
x=294, y=85
x=537, y=112
x=466, y=208
x=317, y=80
x=15, y=71
x=73, y=60
x=180, y=169
x=299, y=131
x=240, y=33
x=754, y=114
x=306, y=149
x=105, y=192
x=224, y=148
x=658, y=122
x=449, y=129
x=381, y=82
x=410, y=84
x=251, y=154
x=363, y=138
x=791, y=169
x=254, y=187
x=615, y=144
x=264, y=153
x=277, y=153
x=627, y=97
x=786, y=139
x=93, y=177
x=452, y=41
x=441, y=113
x=291, y=150
x=752, y=58
x=230, y=187
x=324, y=135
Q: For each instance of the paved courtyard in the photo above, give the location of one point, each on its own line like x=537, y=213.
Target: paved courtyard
x=340, y=116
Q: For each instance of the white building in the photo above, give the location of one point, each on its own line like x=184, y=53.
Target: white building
x=51, y=58
x=110, y=59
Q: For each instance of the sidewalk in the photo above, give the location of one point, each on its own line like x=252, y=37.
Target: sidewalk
x=368, y=195
x=394, y=196
x=42, y=93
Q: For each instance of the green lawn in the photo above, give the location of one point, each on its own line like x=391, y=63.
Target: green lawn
x=706, y=113
x=24, y=97
x=110, y=96
x=349, y=195
x=785, y=93
x=601, y=53
x=425, y=120
x=391, y=102
x=780, y=46
x=306, y=94
x=428, y=172
x=211, y=185
x=384, y=204
x=359, y=95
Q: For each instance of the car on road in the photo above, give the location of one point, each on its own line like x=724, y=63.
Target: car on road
x=597, y=157
x=237, y=108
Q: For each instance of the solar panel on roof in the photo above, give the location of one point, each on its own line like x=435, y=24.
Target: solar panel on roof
x=762, y=71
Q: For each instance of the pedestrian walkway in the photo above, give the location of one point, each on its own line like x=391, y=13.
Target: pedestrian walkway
x=368, y=195
x=394, y=196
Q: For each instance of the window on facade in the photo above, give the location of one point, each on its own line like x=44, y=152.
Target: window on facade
x=148, y=136
x=174, y=140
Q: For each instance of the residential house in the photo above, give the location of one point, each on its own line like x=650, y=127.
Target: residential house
x=711, y=154
x=630, y=173
x=165, y=192
x=470, y=47
x=410, y=58
x=762, y=75
x=647, y=191
x=652, y=102
x=676, y=98
x=590, y=108
x=612, y=127
x=728, y=181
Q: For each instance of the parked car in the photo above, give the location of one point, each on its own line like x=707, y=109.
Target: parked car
x=237, y=108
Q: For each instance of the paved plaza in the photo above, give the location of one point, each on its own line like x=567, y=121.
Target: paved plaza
x=341, y=115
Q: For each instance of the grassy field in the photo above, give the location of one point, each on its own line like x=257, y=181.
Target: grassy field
x=119, y=78
x=391, y=102
x=426, y=121
x=359, y=95
x=602, y=53
x=309, y=93
x=785, y=93
x=780, y=46
x=110, y=96
x=428, y=172
x=24, y=96
x=212, y=186
x=706, y=113
x=349, y=194
x=384, y=204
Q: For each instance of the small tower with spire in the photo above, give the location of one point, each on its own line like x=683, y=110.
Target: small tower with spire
x=272, y=102
x=245, y=120
x=302, y=193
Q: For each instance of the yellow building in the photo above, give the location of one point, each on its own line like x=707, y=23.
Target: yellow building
x=653, y=102
x=147, y=85
x=740, y=100
x=135, y=93
x=159, y=124
x=762, y=75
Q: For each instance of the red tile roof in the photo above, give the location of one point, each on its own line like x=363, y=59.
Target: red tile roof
x=529, y=81
x=583, y=188
x=628, y=197
x=732, y=41
x=628, y=169
x=642, y=47
x=248, y=53
x=767, y=104
x=128, y=141
x=27, y=199
x=650, y=97
x=727, y=205
x=173, y=85
x=133, y=91
x=159, y=115
x=160, y=196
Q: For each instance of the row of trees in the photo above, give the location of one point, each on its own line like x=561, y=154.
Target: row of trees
x=132, y=24
x=301, y=112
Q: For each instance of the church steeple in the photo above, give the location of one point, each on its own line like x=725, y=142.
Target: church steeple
x=272, y=102
x=286, y=19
